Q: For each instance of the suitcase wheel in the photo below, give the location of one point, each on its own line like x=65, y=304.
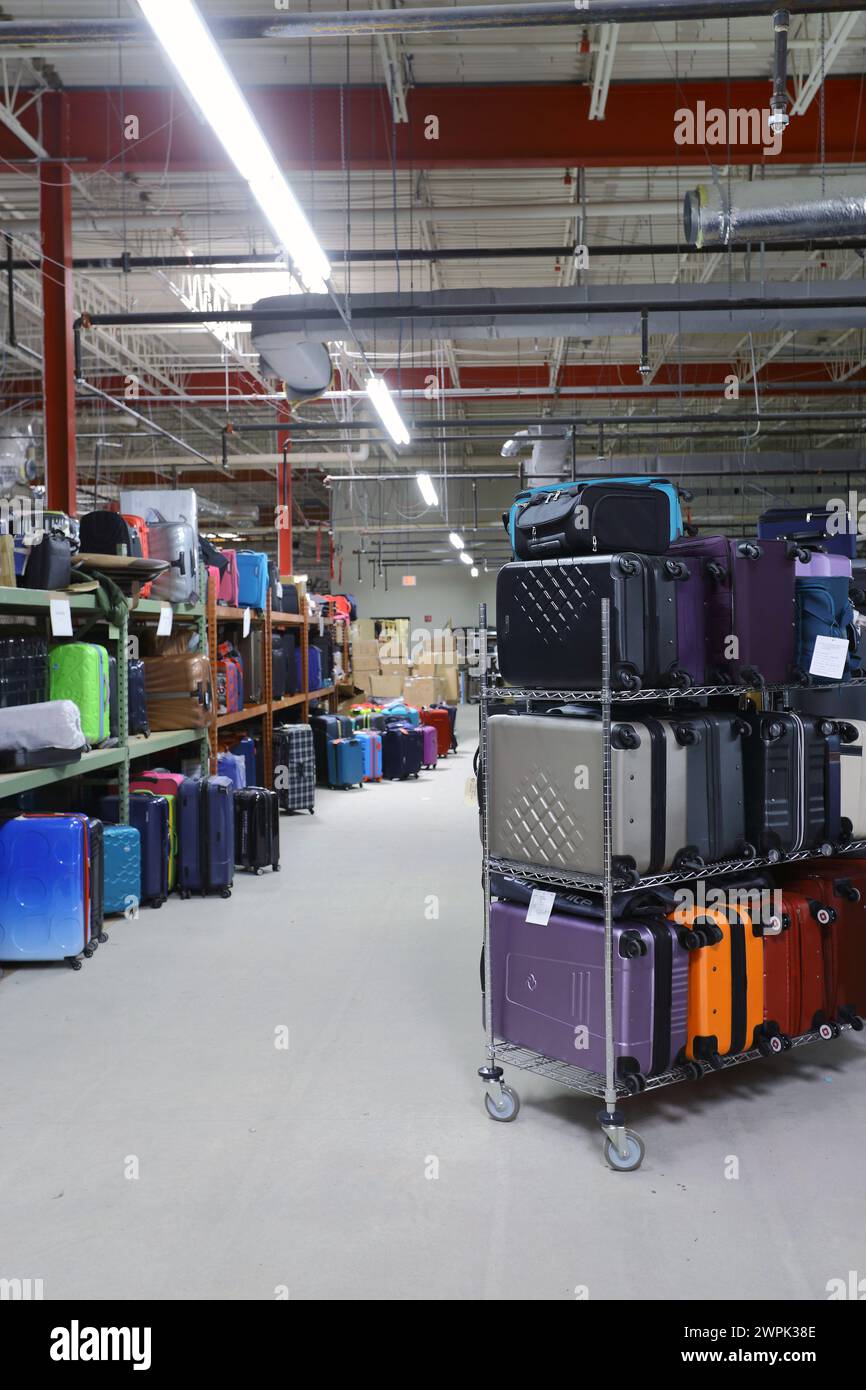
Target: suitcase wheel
x=102, y=938
x=504, y=1106
x=259, y=871
x=693, y=1071
x=750, y=675
x=634, y=1082
x=829, y=1030
x=225, y=892
x=634, y=1156
x=690, y=940
x=75, y=964
x=680, y=680
x=88, y=951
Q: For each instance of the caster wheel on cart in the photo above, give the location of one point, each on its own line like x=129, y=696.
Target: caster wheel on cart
x=633, y=1159
x=504, y=1106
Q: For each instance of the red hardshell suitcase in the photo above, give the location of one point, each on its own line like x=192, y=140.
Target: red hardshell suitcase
x=431, y=745
x=796, y=995
x=439, y=720
x=837, y=889
x=141, y=527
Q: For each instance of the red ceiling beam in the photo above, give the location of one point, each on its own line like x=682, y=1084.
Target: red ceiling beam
x=58, y=358
x=776, y=378
x=494, y=126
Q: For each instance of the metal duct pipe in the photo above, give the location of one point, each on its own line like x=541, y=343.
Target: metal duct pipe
x=779, y=100
x=774, y=210
x=340, y=24
x=239, y=462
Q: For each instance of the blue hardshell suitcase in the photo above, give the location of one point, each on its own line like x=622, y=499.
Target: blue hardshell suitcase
x=246, y=748
x=122, y=858
x=325, y=727
x=207, y=836
x=252, y=579
x=645, y=480
x=51, y=919
x=345, y=762
x=150, y=817
x=233, y=767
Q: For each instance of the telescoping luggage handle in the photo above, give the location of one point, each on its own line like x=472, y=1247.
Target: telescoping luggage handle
x=160, y=520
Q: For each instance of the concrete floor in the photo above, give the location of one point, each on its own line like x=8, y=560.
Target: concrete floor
x=309, y=1169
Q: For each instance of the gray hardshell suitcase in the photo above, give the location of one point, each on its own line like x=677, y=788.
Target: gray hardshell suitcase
x=852, y=760
x=545, y=787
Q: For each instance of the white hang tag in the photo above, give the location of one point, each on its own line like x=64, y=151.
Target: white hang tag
x=61, y=617
x=540, y=907
x=470, y=791
x=279, y=591
x=829, y=658
x=321, y=626
x=248, y=617
x=166, y=619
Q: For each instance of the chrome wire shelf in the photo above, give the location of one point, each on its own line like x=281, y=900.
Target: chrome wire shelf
x=590, y=1083
x=630, y=697
x=561, y=878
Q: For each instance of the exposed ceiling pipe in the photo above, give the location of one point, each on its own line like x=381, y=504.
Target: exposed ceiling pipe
x=771, y=208
x=239, y=463
x=340, y=24
x=583, y=311
x=95, y=222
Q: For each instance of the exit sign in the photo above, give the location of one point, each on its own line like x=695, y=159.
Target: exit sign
x=409, y=581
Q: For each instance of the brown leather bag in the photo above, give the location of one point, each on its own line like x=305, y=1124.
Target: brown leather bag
x=178, y=692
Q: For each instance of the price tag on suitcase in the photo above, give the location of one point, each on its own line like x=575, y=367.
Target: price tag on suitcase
x=540, y=907
x=829, y=657
x=166, y=618
x=61, y=618
x=247, y=620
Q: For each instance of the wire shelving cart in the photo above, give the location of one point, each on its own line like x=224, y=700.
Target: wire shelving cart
x=624, y=1150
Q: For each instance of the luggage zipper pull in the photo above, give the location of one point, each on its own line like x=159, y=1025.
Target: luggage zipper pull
x=595, y=543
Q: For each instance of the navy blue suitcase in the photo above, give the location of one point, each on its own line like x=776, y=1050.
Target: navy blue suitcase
x=206, y=833
x=326, y=727
x=395, y=752
x=150, y=817
x=136, y=701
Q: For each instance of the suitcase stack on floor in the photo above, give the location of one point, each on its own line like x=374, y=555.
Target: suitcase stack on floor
x=719, y=773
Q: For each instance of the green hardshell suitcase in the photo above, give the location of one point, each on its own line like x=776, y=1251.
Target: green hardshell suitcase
x=79, y=672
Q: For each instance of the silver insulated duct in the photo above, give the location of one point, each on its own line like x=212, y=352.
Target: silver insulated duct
x=775, y=210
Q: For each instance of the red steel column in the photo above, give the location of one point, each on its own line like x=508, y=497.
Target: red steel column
x=284, y=494
x=55, y=214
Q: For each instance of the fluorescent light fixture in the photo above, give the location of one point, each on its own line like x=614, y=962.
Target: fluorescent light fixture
x=467, y=559
x=195, y=57
x=474, y=571
x=456, y=541
x=383, y=402
x=428, y=491
x=244, y=287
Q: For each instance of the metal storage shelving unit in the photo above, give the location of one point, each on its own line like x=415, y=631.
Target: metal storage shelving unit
x=624, y=1150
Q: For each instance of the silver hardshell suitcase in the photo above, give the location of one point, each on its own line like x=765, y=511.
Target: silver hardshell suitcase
x=852, y=758
x=545, y=789
x=174, y=541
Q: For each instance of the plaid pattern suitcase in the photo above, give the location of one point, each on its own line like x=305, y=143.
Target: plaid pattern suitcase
x=295, y=767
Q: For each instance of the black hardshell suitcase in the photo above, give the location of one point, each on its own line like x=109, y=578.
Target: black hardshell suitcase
x=257, y=829
x=279, y=671
x=96, y=852
x=548, y=622
x=793, y=783
x=137, y=698
x=715, y=787
x=600, y=518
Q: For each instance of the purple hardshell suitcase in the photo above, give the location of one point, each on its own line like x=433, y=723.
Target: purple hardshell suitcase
x=749, y=595
x=431, y=745
x=823, y=566
x=548, y=989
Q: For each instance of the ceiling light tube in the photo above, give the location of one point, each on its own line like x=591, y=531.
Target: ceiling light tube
x=467, y=559
x=383, y=402
x=198, y=62
x=456, y=541
x=428, y=491
x=474, y=571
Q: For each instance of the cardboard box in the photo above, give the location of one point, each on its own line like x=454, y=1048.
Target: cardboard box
x=422, y=690
x=423, y=668
x=365, y=655
x=447, y=677
x=386, y=687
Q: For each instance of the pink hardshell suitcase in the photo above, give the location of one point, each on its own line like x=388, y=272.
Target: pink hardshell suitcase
x=431, y=745
x=228, y=593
